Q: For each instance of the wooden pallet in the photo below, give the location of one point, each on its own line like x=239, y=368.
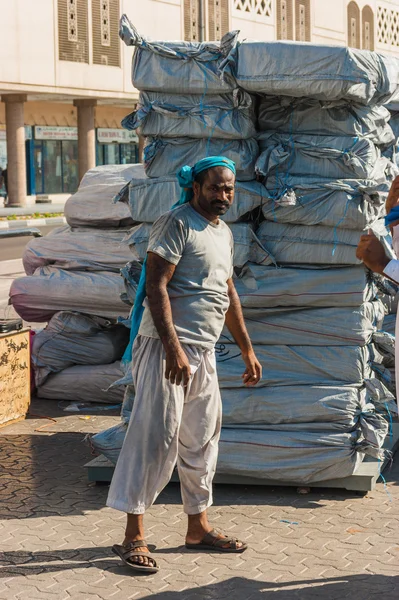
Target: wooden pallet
x=364, y=479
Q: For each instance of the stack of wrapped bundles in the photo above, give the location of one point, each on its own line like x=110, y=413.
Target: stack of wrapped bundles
x=185, y=110
x=73, y=284
x=311, y=309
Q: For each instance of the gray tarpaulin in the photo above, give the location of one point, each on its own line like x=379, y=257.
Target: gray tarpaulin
x=36, y=298
x=344, y=203
x=266, y=287
x=310, y=244
x=72, y=338
x=227, y=116
x=314, y=117
x=84, y=249
x=165, y=156
x=297, y=365
x=340, y=326
x=298, y=457
x=320, y=156
x=316, y=71
x=178, y=67
x=84, y=383
x=92, y=204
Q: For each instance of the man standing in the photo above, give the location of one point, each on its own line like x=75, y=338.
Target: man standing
x=177, y=409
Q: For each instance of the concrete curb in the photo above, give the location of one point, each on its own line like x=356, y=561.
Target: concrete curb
x=21, y=223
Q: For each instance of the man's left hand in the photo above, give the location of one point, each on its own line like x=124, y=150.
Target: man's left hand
x=253, y=371
x=372, y=253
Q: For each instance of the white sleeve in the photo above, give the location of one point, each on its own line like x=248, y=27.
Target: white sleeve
x=392, y=270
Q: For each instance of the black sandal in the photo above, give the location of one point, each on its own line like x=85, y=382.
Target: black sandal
x=212, y=542
x=126, y=553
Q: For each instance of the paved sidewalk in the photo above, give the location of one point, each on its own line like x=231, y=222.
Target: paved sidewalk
x=56, y=533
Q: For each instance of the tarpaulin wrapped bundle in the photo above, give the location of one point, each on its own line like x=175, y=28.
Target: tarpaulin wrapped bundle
x=320, y=156
x=298, y=365
x=82, y=249
x=297, y=408
x=267, y=287
x=347, y=203
x=84, y=383
x=71, y=338
x=297, y=457
x=149, y=198
x=313, y=326
x=91, y=205
x=247, y=246
x=178, y=67
x=226, y=116
x=315, y=71
x=309, y=244
x=38, y=297
x=315, y=117
x=166, y=156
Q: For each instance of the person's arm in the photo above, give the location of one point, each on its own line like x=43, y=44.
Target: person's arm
x=236, y=325
x=159, y=273
x=371, y=251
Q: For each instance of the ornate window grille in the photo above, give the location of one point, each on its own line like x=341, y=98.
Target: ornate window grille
x=72, y=18
x=105, y=23
x=387, y=26
x=261, y=8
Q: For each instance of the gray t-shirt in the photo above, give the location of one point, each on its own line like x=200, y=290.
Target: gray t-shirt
x=203, y=254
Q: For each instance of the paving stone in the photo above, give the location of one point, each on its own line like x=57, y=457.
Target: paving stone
x=56, y=532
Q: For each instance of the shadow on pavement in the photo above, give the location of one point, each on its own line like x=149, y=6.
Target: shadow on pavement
x=44, y=475
x=355, y=587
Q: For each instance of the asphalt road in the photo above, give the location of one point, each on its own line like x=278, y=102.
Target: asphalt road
x=12, y=248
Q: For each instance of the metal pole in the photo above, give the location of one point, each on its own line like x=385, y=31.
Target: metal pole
x=201, y=20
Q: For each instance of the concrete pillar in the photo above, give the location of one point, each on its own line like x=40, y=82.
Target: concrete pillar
x=86, y=135
x=16, y=155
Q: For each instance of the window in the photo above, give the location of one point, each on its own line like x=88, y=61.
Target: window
x=302, y=20
x=284, y=20
x=106, y=44
x=191, y=20
x=261, y=8
x=353, y=25
x=73, y=31
x=218, y=19
x=367, y=28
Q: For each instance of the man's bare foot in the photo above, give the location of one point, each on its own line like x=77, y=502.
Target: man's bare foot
x=199, y=526
x=139, y=560
x=135, y=531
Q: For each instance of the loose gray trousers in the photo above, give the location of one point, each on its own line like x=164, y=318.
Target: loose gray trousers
x=169, y=424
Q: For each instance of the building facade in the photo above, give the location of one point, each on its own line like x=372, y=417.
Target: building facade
x=65, y=77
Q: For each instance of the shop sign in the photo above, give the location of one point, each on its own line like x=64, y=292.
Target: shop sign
x=121, y=136
x=56, y=133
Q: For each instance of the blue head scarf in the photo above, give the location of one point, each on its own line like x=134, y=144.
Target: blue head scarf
x=186, y=177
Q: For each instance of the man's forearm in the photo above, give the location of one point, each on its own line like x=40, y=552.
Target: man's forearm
x=235, y=322
x=161, y=312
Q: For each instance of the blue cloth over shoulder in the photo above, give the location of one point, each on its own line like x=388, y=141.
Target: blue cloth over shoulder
x=186, y=177
x=392, y=216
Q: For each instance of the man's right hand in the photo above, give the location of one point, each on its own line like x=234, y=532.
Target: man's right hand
x=393, y=196
x=372, y=253
x=178, y=368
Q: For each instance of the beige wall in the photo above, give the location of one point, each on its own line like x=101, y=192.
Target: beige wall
x=29, y=49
